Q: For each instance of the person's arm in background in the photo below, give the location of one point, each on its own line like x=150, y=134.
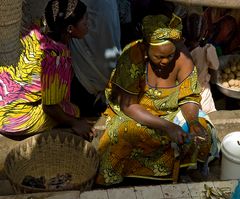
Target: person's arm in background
x=212, y=57
x=213, y=62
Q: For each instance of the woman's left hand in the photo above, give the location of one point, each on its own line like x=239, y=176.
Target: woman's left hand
x=198, y=132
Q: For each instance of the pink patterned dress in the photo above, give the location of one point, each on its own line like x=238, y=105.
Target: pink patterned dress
x=42, y=76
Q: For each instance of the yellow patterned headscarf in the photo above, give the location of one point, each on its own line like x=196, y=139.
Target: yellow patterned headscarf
x=158, y=29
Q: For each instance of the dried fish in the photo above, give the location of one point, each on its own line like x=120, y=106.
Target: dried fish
x=34, y=182
x=217, y=193
x=61, y=181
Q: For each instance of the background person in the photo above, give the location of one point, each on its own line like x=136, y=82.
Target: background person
x=94, y=57
x=204, y=57
x=35, y=95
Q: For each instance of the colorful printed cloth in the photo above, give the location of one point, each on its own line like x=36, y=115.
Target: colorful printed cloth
x=128, y=148
x=42, y=76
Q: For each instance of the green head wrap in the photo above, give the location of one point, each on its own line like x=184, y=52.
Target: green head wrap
x=158, y=29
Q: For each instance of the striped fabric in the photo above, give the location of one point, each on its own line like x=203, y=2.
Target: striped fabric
x=42, y=76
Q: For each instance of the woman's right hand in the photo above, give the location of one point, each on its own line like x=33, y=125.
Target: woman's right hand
x=82, y=128
x=176, y=133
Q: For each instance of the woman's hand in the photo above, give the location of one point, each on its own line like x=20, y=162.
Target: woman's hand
x=176, y=133
x=198, y=132
x=84, y=129
x=80, y=127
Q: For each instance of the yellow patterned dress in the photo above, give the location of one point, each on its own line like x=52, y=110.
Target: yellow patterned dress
x=42, y=76
x=128, y=148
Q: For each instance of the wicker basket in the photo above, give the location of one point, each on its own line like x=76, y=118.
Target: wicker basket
x=10, y=24
x=51, y=154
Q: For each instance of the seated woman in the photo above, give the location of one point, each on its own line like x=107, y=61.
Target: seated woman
x=35, y=95
x=153, y=114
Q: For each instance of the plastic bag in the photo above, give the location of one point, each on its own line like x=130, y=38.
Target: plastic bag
x=236, y=193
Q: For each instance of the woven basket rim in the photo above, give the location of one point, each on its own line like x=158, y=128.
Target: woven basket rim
x=60, y=136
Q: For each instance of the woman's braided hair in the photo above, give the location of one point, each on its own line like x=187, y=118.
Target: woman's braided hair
x=59, y=14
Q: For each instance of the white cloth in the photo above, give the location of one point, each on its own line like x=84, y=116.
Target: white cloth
x=205, y=58
x=207, y=102
x=94, y=57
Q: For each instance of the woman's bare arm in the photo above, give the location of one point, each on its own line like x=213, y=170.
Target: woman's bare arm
x=190, y=110
x=79, y=126
x=186, y=66
x=129, y=105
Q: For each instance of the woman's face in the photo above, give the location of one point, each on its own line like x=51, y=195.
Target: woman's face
x=81, y=28
x=161, y=55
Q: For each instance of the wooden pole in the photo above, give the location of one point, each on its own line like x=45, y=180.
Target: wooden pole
x=234, y=4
